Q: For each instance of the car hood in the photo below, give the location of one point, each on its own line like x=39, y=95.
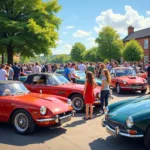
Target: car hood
x=55, y=104
x=136, y=106
x=131, y=79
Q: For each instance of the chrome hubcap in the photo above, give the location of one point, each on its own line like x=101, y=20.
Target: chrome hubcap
x=21, y=122
x=118, y=89
x=77, y=103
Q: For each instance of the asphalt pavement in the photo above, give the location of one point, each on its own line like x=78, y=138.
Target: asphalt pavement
x=75, y=135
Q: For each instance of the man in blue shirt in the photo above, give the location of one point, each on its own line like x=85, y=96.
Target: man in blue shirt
x=16, y=72
x=67, y=72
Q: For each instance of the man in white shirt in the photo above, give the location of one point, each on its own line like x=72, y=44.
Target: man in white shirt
x=82, y=67
x=3, y=73
x=36, y=68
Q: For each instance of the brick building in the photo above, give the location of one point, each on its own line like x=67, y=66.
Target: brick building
x=143, y=37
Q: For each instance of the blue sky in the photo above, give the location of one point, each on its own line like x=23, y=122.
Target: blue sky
x=83, y=19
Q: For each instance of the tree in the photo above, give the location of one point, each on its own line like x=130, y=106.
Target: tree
x=109, y=44
x=62, y=58
x=2, y=53
x=28, y=27
x=133, y=51
x=77, y=51
x=91, y=55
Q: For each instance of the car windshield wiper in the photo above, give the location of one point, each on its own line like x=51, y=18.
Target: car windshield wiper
x=19, y=92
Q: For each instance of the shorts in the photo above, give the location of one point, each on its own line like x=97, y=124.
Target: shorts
x=148, y=80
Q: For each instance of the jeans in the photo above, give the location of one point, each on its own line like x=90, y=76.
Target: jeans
x=104, y=98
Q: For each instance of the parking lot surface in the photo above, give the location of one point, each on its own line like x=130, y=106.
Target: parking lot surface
x=75, y=135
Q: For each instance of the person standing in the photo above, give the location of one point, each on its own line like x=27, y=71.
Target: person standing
x=67, y=72
x=3, y=73
x=89, y=87
x=16, y=72
x=11, y=72
x=36, y=68
x=148, y=76
x=73, y=73
x=92, y=69
x=105, y=91
x=82, y=67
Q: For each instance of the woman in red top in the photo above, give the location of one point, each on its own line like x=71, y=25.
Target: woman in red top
x=90, y=84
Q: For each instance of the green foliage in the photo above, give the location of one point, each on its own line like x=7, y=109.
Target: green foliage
x=62, y=58
x=133, y=51
x=91, y=55
x=109, y=44
x=77, y=50
x=29, y=27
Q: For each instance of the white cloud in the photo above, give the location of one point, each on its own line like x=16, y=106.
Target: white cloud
x=69, y=27
x=121, y=22
x=81, y=33
x=91, y=42
x=148, y=12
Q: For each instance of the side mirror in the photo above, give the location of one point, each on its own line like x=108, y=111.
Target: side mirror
x=8, y=92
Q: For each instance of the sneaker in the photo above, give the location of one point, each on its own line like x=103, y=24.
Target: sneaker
x=101, y=112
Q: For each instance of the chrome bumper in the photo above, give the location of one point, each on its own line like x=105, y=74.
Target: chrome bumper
x=117, y=131
x=56, y=118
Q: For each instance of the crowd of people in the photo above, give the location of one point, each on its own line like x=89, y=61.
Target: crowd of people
x=92, y=70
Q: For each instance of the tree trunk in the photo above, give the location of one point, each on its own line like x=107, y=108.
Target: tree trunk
x=2, y=58
x=10, y=53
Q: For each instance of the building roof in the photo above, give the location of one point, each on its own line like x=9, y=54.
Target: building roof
x=138, y=34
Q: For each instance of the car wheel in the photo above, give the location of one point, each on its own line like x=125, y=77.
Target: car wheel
x=147, y=138
x=77, y=102
x=118, y=88
x=23, y=122
x=143, y=91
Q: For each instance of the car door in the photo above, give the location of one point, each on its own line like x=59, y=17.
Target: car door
x=5, y=108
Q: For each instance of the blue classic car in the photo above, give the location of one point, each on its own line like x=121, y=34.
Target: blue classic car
x=80, y=74
x=129, y=118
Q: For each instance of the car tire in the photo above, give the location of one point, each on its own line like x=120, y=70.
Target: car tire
x=23, y=122
x=78, y=103
x=143, y=91
x=118, y=88
x=147, y=138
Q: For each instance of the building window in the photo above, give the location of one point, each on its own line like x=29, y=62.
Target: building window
x=146, y=44
x=145, y=59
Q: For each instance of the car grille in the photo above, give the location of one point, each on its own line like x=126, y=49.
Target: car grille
x=65, y=114
x=137, y=85
x=113, y=125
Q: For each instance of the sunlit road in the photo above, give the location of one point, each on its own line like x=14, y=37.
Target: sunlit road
x=75, y=135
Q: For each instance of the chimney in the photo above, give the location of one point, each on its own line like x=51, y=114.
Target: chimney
x=130, y=30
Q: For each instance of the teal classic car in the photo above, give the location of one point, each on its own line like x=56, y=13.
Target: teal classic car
x=80, y=74
x=129, y=118
x=24, y=75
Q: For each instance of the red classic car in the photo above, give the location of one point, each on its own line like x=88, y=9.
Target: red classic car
x=125, y=79
x=57, y=84
x=25, y=110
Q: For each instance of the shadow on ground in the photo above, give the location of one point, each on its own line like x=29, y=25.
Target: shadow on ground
x=119, y=143
x=8, y=135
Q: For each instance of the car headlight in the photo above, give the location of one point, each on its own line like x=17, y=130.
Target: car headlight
x=129, y=122
x=124, y=82
x=43, y=110
x=69, y=102
x=145, y=81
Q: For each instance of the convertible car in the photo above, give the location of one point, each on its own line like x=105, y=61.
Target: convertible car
x=125, y=79
x=25, y=110
x=57, y=84
x=82, y=76
x=129, y=118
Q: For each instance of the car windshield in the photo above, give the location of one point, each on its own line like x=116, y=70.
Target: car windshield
x=56, y=80
x=125, y=72
x=12, y=89
x=80, y=74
